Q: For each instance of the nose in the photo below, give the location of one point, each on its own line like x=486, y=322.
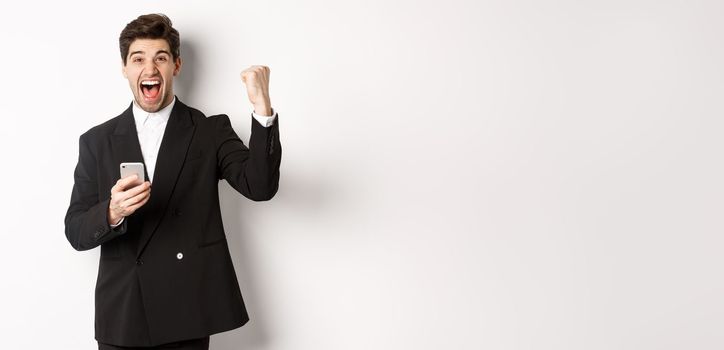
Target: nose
x=150, y=68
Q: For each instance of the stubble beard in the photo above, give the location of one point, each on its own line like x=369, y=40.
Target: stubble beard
x=165, y=100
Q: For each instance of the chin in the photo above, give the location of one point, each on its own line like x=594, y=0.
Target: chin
x=151, y=108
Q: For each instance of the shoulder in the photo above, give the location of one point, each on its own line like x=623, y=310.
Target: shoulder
x=103, y=130
x=197, y=115
x=200, y=119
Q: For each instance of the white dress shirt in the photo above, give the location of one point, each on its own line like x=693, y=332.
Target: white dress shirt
x=151, y=127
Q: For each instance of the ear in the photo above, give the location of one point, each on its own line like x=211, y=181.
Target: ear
x=123, y=70
x=178, y=63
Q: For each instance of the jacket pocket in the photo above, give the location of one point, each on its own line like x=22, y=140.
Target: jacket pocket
x=194, y=155
x=212, y=242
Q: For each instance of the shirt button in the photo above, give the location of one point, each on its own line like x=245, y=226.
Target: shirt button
x=179, y=256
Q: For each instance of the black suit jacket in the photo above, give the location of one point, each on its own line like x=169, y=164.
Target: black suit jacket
x=166, y=274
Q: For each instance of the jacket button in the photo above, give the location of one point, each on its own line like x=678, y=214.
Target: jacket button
x=96, y=234
x=177, y=212
x=180, y=256
x=139, y=262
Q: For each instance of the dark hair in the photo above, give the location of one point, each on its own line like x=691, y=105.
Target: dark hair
x=152, y=26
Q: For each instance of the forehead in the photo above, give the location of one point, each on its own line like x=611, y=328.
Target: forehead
x=148, y=46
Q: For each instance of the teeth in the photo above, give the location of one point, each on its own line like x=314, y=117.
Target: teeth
x=150, y=82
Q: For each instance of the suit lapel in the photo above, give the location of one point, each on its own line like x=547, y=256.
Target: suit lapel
x=124, y=141
x=171, y=155
x=126, y=148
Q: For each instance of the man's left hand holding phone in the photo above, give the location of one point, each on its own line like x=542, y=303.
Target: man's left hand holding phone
x=128, y=194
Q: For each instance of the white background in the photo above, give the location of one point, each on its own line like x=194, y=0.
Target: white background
x=456, y=174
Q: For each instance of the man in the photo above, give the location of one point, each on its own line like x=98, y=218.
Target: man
x=165, y=275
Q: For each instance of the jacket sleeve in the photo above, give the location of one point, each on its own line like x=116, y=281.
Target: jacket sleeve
x=252, y=171
x=86, y=222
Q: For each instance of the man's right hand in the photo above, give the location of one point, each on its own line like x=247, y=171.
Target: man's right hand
x=126, y=199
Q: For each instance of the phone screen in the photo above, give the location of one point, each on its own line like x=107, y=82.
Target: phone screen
x=128, y=169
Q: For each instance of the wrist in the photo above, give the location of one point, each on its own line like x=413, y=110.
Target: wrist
x=112, y=218
x=263, y=109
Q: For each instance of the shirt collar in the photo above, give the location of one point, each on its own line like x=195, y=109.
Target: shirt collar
x=140, y=116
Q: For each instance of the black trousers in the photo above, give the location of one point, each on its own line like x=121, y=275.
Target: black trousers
x=193, y=344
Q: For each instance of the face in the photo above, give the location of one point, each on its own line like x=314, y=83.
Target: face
x=150, y=69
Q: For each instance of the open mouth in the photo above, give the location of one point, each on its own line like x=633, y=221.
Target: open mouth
x=151, y=89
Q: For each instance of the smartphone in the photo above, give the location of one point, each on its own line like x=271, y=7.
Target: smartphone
x=128, y=169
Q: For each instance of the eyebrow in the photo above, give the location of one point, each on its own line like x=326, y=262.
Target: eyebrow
x=157, y=53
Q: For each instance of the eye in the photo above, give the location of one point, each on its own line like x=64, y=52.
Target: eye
x=161, y=59
x=137, y=60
